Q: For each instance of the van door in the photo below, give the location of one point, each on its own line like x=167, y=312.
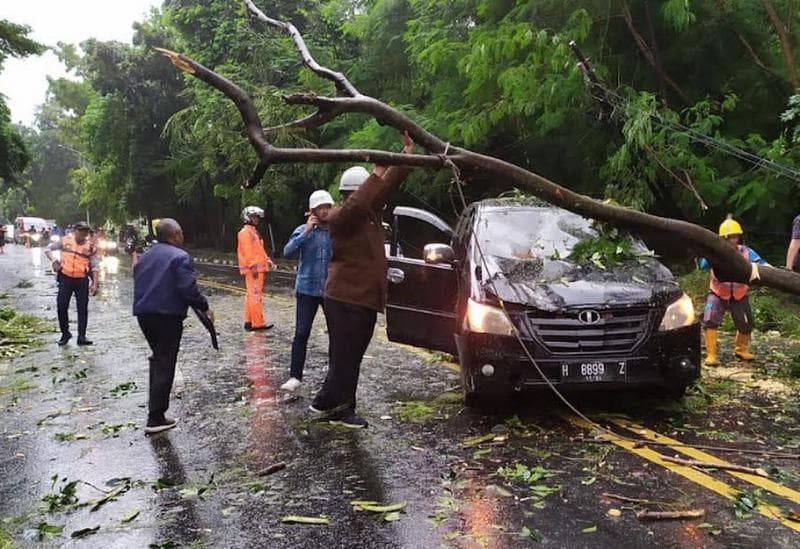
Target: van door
x=421, y=303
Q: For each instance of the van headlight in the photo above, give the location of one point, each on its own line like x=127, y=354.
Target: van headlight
x=679, y=314
x=487, y=319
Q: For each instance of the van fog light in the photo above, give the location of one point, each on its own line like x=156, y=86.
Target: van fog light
x=487, y=370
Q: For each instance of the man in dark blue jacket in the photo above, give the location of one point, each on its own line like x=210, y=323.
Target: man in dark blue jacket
x=164, y=287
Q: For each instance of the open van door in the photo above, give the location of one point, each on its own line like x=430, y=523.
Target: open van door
x=420, y=309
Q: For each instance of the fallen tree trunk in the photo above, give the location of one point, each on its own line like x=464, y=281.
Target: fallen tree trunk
x=727, y=263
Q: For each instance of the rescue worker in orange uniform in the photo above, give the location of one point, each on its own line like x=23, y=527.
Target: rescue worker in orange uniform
x=253, y=263
x=729, y=296
x=77, y=273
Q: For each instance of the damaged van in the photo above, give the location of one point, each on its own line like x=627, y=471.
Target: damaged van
x=513, y=293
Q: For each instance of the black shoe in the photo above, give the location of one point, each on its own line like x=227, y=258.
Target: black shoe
x=248, y=327
x=160, y=425
x=64, y=339
x=84, y=341
x=350, y=420
x=320, y=412
x=260, y=328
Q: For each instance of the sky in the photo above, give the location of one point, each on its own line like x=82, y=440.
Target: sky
x=24, y=81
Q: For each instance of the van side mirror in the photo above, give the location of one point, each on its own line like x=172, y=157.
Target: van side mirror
x=438, y=253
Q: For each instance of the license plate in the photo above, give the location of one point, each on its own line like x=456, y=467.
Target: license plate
x=588, y=372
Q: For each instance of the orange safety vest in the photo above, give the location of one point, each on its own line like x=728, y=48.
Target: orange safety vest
x=728, y=290
x=251, y=252
x=76, y=258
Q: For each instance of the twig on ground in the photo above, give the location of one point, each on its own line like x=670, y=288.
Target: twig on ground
x=665, y=515
x=710, y=465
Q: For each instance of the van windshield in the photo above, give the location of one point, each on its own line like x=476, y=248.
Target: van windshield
x=531, y=234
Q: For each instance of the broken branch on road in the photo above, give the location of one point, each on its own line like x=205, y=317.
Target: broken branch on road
x=667, y=515
x=711, y=465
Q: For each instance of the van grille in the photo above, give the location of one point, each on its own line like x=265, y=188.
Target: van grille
x=608, y=331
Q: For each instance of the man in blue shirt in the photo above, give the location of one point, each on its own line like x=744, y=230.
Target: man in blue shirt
x=164, y=287
x=310, y=242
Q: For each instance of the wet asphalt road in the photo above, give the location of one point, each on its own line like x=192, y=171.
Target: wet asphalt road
x=77, y=413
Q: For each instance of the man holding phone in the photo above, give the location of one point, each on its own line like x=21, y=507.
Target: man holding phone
x=311, y=244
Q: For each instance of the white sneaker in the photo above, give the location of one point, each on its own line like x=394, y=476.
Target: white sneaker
x=291, y=385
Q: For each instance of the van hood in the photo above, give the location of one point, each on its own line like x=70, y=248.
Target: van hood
x=557, y=285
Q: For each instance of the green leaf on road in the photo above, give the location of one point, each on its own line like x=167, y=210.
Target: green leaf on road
x=391, y=517
x=530, y=534
x=48, y=530
x=130, y=517
x=373, y=508
x=589, y=530
x=296, y=519
x=474, y=441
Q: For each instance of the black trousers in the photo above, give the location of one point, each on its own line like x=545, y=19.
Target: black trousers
x=163, y=334
x=66, y=287
x=350, y=329
x=305, y=312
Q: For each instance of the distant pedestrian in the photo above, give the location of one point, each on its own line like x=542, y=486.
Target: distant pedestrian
x=311, y=242
x=77, y=273
x=164, y=286
x=729, y=296
x=793, y=253
x=253, y=264
x=356, y=288
x=2, y=239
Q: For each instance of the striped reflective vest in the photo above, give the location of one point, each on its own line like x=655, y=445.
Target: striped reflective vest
x=76, y=258
x=728, y=290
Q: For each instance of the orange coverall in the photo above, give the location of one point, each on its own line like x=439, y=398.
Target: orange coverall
x=253, y=263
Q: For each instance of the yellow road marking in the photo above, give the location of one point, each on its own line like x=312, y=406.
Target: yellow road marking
x=219, y=285
x=761, y=482
x=690, y=473
x=210, y=284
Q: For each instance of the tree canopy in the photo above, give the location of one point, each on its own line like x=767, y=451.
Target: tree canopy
x=14, y=155
x=694, y=115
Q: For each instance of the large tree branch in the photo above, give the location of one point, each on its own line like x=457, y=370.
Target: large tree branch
x=641, y=43
x=751, y=52
x=340, y=80
x=785, y=38
x=727, y=262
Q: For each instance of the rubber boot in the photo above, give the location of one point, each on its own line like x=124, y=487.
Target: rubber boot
x=711, y=347
x=742, y=348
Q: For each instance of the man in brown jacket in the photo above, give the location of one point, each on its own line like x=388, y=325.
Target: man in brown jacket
x=356, y=287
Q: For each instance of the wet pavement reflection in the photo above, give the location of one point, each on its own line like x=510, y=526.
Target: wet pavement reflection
x=77, y=413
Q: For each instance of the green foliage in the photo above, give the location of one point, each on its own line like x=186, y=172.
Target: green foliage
x=746, y=502
x=14, y=41
x=497, y=76
x=14, y=157
x=609, y=247
x=522, y=473
x=19, y=332
x=63, y=498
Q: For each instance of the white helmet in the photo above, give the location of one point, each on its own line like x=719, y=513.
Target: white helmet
x=318, y=198
x=249, y=212
x=352, y=178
